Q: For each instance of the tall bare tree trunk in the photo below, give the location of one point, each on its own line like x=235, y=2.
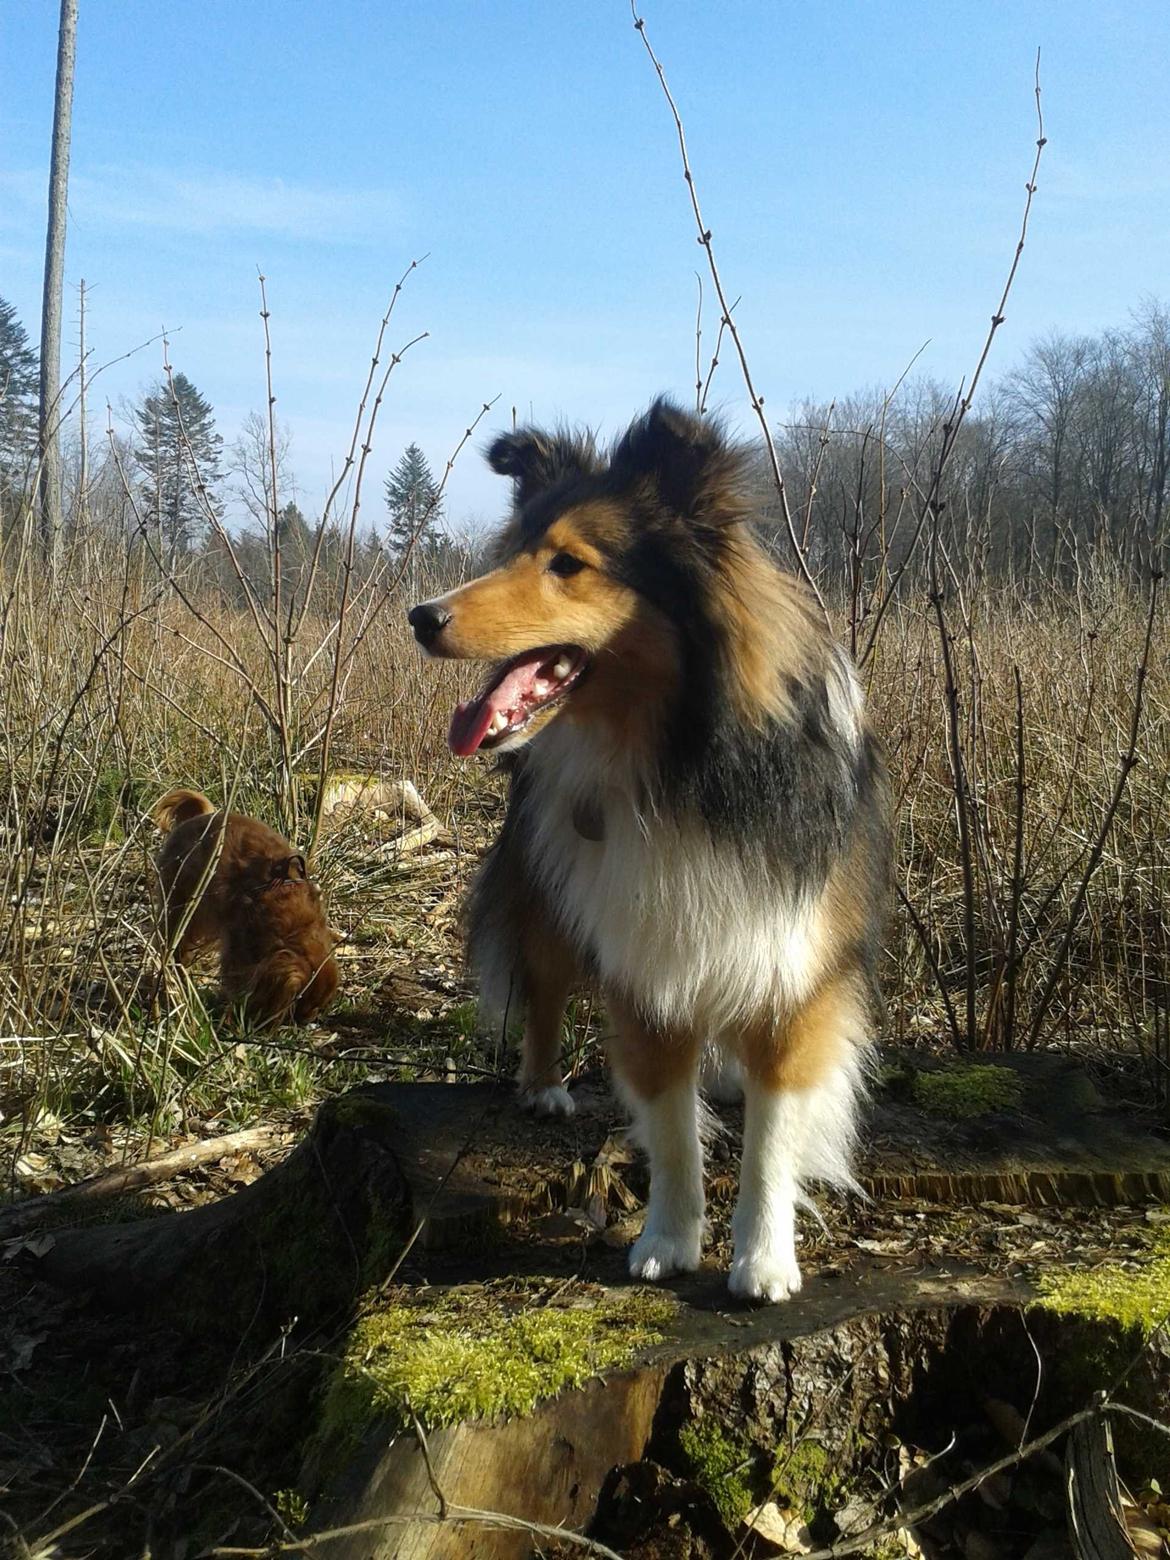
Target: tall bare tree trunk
x=83, y=462
x=50, y=407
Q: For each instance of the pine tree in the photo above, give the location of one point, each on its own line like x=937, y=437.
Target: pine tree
x=297, y=539
x=296, y=533
x=177, y=453
x=19, y=381
x=412, y=500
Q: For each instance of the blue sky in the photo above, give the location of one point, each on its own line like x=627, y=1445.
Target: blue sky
x=861, y=166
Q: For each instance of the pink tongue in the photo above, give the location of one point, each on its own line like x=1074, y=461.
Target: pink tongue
x=470, y=722
x=469, y=726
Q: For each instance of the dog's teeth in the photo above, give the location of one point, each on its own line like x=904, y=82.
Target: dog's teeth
x=562, y=667
x=540, y=687
x=499, y=721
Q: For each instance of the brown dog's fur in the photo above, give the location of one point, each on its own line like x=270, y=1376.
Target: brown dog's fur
x=255, y=900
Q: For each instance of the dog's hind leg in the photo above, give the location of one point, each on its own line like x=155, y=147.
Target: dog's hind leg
x=802, y=1081
x=658, y=1077
x=200, y=932
x=549, y=972
x=523, y=965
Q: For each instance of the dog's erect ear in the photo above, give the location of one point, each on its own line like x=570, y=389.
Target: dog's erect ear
x=698, y=474
x=290, y=869
x=536, y=460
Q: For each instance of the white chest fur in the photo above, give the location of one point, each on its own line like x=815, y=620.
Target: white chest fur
x=689, y=926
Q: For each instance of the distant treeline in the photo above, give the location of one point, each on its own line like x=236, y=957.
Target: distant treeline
x=1067, y=454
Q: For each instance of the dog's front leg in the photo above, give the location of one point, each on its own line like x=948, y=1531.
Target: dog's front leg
x=658, y=1075
x=540, y=1082
x=549, y=973
x=802, y=1081
x=764, y=1266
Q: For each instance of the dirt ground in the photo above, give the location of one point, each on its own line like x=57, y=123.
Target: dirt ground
x=128, y=1435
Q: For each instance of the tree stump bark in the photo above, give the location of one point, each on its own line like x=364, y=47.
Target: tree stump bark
x=420, y=1180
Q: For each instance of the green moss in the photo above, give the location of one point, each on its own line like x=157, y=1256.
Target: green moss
x=806, y=1478
x=355, y=1109
x=962, y=1093
x=719, y=1463
x=487, y=1353
x=892, y=1548
x=1109, y=1311
x=293, y=1507
x=897, y=1079
x=1134, y=1297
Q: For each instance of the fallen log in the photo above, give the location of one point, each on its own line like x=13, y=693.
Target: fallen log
x=33, y=1211
x=299, y=1242
x=381, y=1169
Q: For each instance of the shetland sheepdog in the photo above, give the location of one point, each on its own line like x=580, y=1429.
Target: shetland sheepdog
x=230, y=880
x=697, y=820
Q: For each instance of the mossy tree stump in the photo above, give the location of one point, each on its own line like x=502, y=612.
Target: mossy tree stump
x=381, y=1229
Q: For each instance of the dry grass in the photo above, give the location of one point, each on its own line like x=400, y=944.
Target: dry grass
x=1077, y=656
x=111, y=690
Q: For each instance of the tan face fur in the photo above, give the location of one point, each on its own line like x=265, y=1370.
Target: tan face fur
x=523, y=605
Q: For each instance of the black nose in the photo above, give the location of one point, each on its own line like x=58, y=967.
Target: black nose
x=428, y=620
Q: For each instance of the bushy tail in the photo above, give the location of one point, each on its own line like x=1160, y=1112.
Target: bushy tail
x=177, y=806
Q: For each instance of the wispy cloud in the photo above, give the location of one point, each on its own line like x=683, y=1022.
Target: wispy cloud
x=211, y=202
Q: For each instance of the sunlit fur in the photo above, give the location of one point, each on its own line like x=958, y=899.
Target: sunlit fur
x=238, y=885
x=699, y=827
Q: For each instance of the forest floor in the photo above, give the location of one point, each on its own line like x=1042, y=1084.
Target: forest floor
x=114, y=1430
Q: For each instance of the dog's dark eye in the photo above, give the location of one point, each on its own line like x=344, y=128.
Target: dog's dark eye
x=565, y=564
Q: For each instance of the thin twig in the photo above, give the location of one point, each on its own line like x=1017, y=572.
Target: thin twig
x=347, y=464
x=148, y=1172
x=1127, y=762
x=909, y=1519
x=963, y=400
x=726, y=321
x=455, y=1516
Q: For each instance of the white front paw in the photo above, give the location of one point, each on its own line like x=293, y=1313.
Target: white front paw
x=555, y=1100
x=656, y=1254
x=764, y=1275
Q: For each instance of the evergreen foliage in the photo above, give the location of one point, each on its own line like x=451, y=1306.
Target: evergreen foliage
x=177, y=453
x=412, y=501
x=19, y=384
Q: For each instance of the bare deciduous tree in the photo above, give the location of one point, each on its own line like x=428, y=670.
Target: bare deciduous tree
x=49, y=411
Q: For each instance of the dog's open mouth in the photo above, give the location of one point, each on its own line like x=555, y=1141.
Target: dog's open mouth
x=518, y=689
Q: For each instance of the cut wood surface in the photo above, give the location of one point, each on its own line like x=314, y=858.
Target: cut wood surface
x=404, y=1193
x=461, y=1160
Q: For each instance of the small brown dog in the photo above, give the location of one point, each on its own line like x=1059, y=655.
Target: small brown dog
x=257, y=903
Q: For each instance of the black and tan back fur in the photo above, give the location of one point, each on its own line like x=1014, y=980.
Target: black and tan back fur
x=698, y=820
